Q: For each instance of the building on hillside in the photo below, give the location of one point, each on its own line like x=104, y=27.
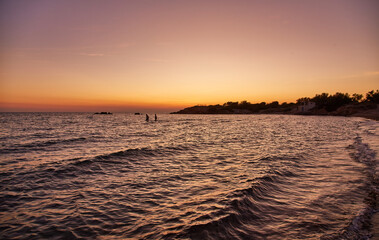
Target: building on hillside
x=306, y=106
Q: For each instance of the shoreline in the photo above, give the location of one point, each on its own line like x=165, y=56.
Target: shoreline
x=368, y=111
x=370, y=114
x=374, y=117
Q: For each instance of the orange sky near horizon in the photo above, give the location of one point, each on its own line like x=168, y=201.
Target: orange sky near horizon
x=166, y=55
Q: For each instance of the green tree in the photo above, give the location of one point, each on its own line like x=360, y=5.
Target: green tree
x=303, y=100
x=356, y=97
x=321, y=100
x=274, y=104
x=331, y=102
x=338, y=100
x=373, y=96
x=244, y=105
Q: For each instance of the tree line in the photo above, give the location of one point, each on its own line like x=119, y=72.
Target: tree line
x=333, y=102
x=329, y=102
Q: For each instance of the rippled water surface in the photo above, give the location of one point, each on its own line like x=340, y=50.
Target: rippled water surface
x=70, y=175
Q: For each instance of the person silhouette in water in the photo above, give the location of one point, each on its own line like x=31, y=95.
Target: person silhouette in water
x=147, y=118
x=155, y=117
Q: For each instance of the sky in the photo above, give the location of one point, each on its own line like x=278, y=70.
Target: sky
x=164, y=55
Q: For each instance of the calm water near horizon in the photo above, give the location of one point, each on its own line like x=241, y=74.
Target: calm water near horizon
x=85, y=176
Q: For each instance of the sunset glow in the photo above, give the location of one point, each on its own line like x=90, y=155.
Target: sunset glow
x=166, y=55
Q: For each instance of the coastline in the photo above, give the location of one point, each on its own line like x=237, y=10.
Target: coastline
x=372, y=115
x=368, y=112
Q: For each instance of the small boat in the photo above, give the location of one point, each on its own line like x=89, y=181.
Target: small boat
x=137, y=113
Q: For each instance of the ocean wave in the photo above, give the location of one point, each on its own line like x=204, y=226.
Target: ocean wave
x=39, y=145
x=144, y=152
x=247, y=208
x=359, y=227
x=124, y=159
x=257, y=177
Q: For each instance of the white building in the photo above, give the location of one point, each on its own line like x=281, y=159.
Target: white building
x=306, y=106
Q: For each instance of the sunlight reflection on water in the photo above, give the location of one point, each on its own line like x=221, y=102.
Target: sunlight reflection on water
x=184, y=176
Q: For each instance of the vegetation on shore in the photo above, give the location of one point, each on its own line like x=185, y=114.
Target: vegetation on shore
x=342, y=104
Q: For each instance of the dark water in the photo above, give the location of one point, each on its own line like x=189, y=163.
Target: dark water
x=67, y=176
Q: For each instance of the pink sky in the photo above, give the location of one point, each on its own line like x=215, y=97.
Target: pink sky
x=164, y=55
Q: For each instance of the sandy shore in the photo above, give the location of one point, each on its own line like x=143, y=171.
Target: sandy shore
x=370, y=114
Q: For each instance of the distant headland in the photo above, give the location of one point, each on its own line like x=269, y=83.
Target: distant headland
x=338, y=104
x=103, y=113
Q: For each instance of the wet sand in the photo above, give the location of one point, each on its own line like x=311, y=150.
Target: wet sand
x=370, y=114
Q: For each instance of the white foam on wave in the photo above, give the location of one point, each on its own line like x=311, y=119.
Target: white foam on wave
x=359, y=228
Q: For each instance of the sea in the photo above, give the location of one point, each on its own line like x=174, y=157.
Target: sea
x=86, y=176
